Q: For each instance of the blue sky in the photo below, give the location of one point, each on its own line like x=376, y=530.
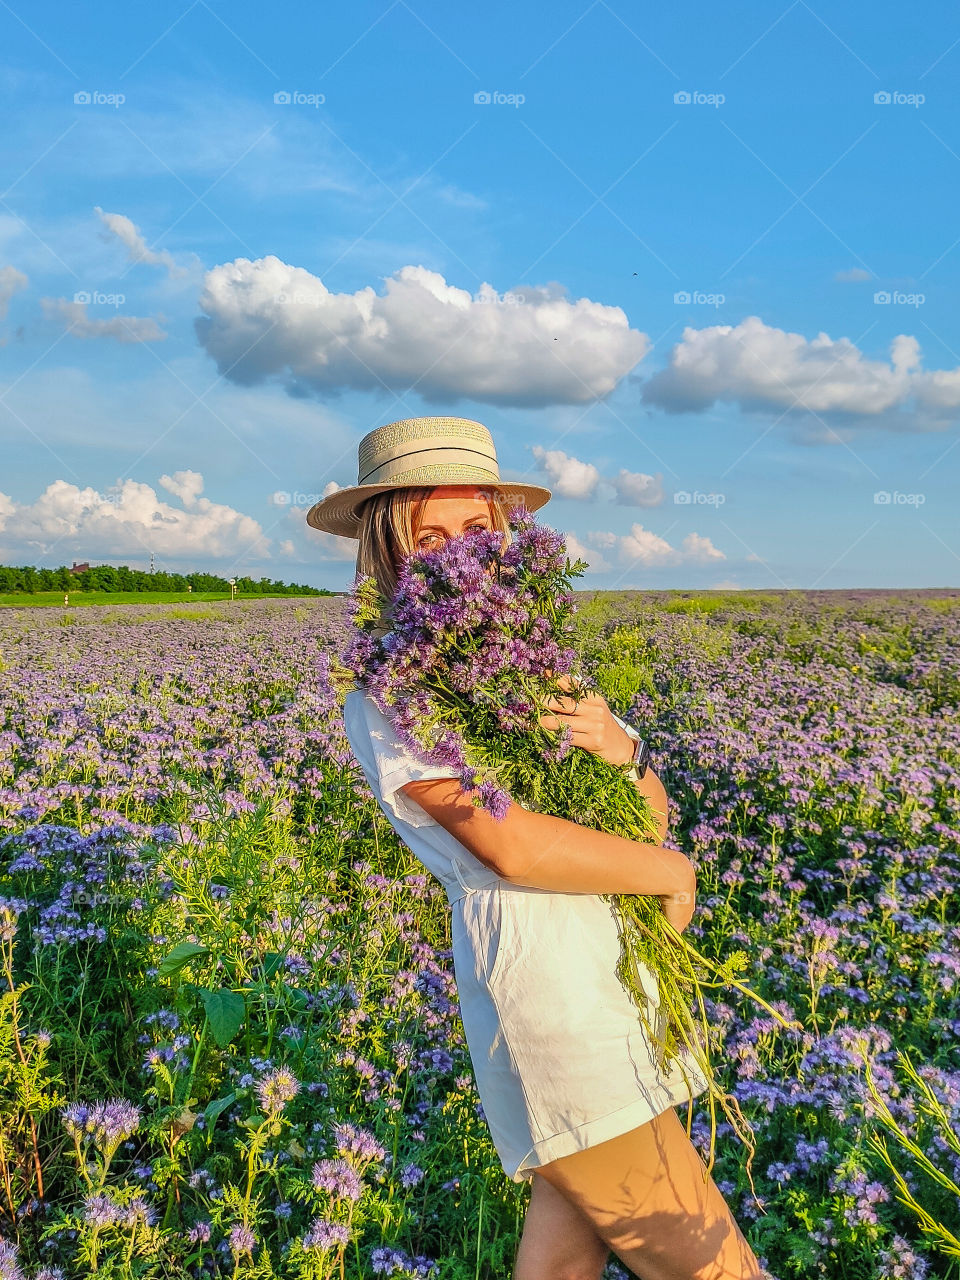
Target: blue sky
x=694, y=268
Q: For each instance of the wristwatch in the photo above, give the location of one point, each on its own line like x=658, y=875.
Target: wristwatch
x=641, y=752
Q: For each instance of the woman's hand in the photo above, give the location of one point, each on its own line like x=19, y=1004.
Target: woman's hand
x=592, y=724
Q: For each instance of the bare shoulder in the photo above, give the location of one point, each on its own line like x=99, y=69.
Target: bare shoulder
x=487, y=837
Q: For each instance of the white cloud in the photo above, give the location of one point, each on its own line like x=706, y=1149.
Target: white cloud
x=569, y=477
x=122, y=327
x=643, y=546
x=855, y=275
x=308, y=544
x=330, y=547
x=185, y=485
x=594, y=558
x=11, y=282
x=137, y=250
x=760, y=366
x=267, y=319
x=131, y=521
x=635, y=489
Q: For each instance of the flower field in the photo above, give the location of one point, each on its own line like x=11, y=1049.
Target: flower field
x=229, y=1034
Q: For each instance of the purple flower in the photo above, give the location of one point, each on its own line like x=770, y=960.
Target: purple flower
x=101, y=1210
x=353, y=1141
x=411, y=1176
x=107, y=1123
x=276, y=1089
x=323, y=1235
x=241, y=1240
x=10, y=1268
x=474, y=641
x=338, y=1178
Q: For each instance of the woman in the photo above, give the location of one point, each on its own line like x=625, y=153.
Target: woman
x=567, y=1077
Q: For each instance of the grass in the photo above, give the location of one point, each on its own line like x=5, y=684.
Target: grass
x=51, y=599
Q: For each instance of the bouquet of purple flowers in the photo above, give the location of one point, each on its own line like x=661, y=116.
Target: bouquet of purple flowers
x=463, y=659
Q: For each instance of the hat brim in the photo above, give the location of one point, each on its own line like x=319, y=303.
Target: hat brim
x=339, y=512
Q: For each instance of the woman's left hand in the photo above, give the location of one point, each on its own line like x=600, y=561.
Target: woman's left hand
x=591, y=720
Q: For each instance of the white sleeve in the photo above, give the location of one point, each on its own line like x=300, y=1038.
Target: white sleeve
x=631, y=731
x=386, y=762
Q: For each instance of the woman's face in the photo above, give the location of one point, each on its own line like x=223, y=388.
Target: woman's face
x=450, y=511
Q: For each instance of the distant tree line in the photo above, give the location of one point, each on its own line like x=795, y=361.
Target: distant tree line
x=108, y=577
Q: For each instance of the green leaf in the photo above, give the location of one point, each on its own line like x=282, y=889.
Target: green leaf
x=216, y=1108
x=181, y=954
x=225, y=1011
x=272, y=961
x=299, y=998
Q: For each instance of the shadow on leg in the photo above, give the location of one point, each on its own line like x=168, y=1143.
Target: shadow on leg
x=558, y=1241
x=644, y=1193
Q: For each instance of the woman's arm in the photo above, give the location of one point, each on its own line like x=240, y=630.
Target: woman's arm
x=654, y=791
x=596, y=729
x=543, y=852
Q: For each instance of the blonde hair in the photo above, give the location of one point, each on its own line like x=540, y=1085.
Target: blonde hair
x=388, y=524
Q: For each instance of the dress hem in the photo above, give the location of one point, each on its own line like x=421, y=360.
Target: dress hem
x=601, y=1129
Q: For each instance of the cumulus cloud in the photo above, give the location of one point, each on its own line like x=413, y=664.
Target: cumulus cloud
x=11, y=282
x=129, y=235
x=643, y=546
x=130, y=521
x=763, y=367
x=330, y=546
x=571, y=478
x=185, y=485
x=267, y=319
x=636, y=489
x=306, y=544
x=576, y=550
x=123, y=328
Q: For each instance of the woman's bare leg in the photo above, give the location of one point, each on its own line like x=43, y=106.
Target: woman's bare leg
x=558, y=1242
x=645, y=1195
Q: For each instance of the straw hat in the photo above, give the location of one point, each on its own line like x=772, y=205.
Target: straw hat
x=419, y=451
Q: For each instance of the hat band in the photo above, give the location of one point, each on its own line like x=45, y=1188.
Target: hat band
x=386, y=470
x=440, y=473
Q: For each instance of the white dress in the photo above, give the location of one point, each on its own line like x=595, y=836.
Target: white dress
x=561, y=1059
